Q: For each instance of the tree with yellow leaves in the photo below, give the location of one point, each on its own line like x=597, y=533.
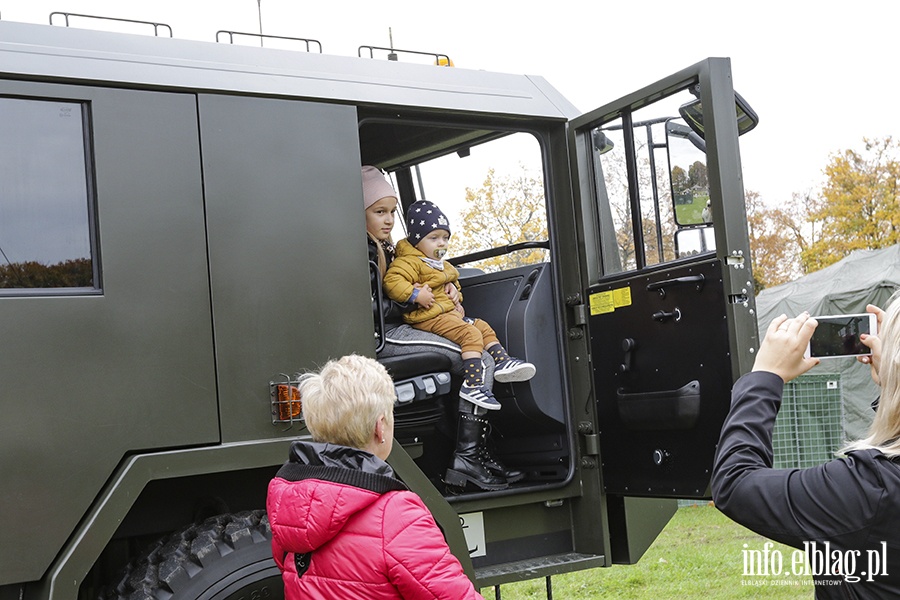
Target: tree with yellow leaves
x=506, y=209
x=860, y=205
x=777, y=239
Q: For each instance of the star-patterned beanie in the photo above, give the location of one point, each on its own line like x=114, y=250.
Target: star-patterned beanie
x=422, y=218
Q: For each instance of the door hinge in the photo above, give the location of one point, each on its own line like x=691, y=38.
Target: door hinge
x=591, y=439
x=579, y=315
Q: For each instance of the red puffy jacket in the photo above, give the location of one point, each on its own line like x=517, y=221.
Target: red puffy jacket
x=367, y=535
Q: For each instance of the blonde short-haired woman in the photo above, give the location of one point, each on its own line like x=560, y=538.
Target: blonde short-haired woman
x=342, y=525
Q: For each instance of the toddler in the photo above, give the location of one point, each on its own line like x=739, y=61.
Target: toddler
x=418, y=275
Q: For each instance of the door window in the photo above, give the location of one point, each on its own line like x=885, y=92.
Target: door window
x=652, y=187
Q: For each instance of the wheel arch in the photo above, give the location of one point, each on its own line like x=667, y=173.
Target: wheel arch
x=125, y=498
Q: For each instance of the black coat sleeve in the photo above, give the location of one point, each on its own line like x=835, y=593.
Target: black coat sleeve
x=835, y=502
x=392, y=311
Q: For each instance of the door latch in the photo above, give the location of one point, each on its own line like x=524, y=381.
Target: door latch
x=663, y=316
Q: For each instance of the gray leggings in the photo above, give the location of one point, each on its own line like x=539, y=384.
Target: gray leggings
x=406, y=340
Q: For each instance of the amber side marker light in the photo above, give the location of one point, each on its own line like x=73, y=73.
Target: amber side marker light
x=287, y=405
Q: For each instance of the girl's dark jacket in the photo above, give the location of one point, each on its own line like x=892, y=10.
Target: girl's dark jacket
x=846, y=511
x=392, y=311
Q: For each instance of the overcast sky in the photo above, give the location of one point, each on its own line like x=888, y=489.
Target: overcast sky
x=821, y=75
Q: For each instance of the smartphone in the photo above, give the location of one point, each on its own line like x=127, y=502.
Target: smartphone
x=837, y=336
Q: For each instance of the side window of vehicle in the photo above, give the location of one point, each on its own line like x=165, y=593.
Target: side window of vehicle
x=46, y=214
x=493, y=195
x=652, y=187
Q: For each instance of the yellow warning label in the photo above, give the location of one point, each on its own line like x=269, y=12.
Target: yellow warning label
x=602, y=303
x=622, y=297
x=607, y=302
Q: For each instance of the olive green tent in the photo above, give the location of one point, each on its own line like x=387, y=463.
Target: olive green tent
x=864, y=277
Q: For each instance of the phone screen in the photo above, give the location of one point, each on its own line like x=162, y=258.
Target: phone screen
x=839, y=336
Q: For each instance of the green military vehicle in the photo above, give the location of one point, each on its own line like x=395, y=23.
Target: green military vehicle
x=181, y=228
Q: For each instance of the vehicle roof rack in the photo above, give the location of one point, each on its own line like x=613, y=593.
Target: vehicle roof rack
x=392, y=54
x=262, y=37
x=153, y=24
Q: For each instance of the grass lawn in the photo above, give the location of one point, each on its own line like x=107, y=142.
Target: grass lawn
x=687, y=214
x=698, y=555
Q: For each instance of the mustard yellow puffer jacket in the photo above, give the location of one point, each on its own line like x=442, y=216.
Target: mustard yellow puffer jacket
x=409, y=268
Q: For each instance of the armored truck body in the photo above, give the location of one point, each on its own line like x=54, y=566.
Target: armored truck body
x=183, y=232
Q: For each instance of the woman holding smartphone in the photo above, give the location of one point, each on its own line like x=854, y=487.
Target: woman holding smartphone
x=848, y=508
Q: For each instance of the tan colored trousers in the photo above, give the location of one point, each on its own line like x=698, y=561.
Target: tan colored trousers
x=471, y=337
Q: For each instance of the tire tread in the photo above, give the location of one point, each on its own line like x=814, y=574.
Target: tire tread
x=172, y=562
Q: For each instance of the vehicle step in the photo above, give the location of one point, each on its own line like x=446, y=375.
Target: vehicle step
x=534, y=568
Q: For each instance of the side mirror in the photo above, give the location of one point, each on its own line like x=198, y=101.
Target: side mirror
x=688, y=177
x=696, y=240
x=602, y=143
x=692, y=113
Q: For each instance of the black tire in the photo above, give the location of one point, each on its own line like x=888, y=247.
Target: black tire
x=225, y=557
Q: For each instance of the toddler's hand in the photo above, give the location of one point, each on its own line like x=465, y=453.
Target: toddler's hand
x=426, y=297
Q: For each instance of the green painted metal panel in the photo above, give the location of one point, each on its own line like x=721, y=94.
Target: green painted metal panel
x=90, y=378
x=286, y=247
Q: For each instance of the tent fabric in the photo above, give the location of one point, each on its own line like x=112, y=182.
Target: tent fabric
x=864, y=277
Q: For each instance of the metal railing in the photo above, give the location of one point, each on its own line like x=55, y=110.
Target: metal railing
x=156, y=26
x=392, y=54
x=262, y=37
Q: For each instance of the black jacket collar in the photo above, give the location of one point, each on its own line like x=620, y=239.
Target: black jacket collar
x=339, y=464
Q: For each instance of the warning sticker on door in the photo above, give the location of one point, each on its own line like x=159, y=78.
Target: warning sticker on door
x=609, y=301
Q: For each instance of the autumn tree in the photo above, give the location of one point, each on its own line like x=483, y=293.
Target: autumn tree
x=859, y=207
x=506, y=209
x=32, y=274
x=698, y=177
x=680, y=181
x=775, y=243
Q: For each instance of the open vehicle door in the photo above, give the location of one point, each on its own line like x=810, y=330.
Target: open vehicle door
x=667, y=279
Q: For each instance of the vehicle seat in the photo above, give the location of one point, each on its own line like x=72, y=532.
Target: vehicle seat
x=421, y=380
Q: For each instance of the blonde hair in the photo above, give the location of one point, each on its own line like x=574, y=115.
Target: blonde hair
x=884, y=433
x=382, y=259
x=344, y=400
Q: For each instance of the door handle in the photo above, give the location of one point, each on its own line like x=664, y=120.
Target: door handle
x=661, y=286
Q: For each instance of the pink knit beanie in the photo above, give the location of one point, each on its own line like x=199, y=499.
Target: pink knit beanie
x=375, y=186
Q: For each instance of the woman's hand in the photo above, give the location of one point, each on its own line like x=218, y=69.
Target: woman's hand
x=873, y=342
x=452, y=292
x=781, y=352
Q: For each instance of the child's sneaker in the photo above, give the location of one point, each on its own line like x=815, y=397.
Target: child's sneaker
x=479, y=396
x=513, y=369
